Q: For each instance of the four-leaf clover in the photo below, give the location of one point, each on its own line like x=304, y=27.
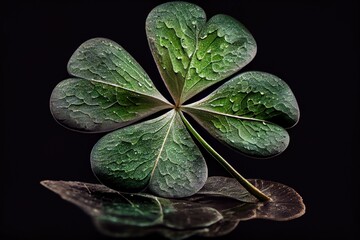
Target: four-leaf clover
x=110, y=90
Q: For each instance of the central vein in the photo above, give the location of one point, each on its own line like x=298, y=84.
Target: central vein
x=192, y=58
x=189, y=108
x=162, y=145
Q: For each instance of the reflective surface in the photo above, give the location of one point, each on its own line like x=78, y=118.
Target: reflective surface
x=214, y=211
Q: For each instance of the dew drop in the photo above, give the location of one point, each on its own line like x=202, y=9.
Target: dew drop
x=223, y=46
x=139, y=83
x=216, y=105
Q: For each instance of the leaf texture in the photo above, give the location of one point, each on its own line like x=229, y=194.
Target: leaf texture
x=112, y=89
x=83, y=105
x=158, y=154
x=193, y=54
x=250, y=113
x=103, y=60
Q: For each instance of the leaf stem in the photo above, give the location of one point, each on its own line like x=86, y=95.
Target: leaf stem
x=245, y=183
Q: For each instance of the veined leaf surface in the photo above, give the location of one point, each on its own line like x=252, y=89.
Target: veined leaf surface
x=250, y=113
x=111, y=89
x=193, y=54
x=159, y=154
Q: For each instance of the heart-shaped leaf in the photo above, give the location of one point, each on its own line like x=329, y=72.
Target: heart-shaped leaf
x=112, y=91
x=193, y=54
x=159, y=154
x=209, y=213
x=250, y=113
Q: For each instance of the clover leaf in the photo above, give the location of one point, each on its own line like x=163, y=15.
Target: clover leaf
x=109, y=90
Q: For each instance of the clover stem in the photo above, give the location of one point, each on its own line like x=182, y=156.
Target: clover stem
x=243, y=181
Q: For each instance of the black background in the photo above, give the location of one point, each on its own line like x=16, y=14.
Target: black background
x=313, y=46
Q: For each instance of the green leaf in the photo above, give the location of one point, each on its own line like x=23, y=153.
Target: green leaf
x=249, y=113
x=105, y=61
x=158, y=154
x=191, y=54
x=112, y=89
x=256, y=95
x=254, y=138
x=95, y=107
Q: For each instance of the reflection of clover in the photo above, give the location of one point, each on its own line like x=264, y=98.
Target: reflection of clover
x=214, y=211
x=110, y=90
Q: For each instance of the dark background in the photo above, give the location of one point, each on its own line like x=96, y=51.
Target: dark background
x=313, y=46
